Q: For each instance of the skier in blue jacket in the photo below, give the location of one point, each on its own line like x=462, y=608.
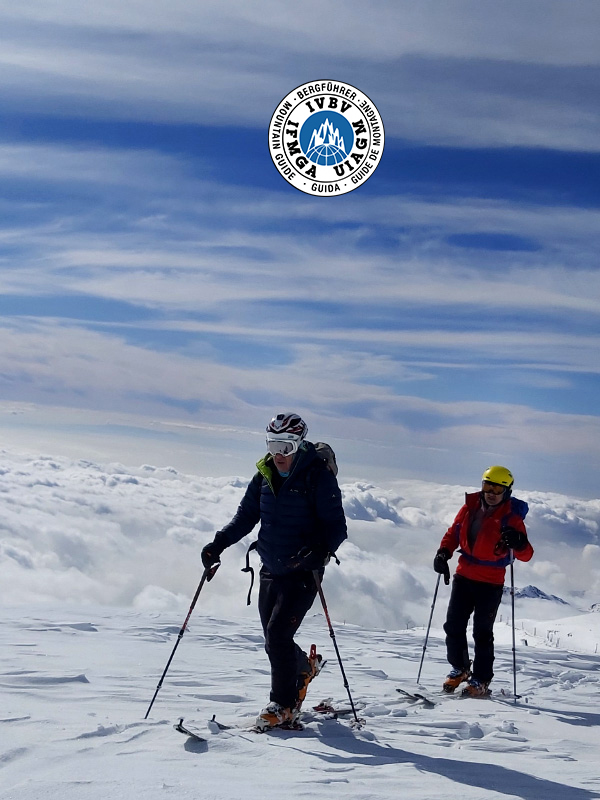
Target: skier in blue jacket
x=297, y=501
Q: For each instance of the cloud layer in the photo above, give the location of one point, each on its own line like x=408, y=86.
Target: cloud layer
x=81, y=532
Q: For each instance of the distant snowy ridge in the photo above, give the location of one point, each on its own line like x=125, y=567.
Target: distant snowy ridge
x=534, y=593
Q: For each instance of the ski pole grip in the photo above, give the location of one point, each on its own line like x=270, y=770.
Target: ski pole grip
x=210, y=571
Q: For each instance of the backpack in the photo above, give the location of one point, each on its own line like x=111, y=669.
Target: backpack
x=326, y=460
x=325, y=452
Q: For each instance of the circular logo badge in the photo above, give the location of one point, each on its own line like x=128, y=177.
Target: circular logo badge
x=326, y=138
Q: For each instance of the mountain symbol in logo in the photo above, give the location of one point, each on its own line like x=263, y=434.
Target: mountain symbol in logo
x=326, y=146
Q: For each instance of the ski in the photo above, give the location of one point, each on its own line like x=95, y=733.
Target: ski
x=418, y=697
x=328, y=710
x=215, y=726
x=429, y=702
x=326, y=707
x=182, y=729
x=283, y=726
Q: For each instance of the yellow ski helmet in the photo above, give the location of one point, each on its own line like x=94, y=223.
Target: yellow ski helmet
x=500, y=475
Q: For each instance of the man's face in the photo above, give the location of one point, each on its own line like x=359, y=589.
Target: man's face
x=283, y=463
x=282, y=450
x=493, y=494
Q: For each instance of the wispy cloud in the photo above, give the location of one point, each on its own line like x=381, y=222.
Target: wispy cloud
x=477, y=66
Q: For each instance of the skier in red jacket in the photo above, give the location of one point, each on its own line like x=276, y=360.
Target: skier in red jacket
x=488, y=530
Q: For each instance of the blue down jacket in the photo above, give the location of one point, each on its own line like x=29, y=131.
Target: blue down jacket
x=306, y=512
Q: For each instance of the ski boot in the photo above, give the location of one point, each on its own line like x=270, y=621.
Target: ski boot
x=454, y=678
x=315, y=665
x=475, y=688
x=275, y=716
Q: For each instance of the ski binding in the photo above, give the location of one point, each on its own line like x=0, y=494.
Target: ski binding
x=182, y=729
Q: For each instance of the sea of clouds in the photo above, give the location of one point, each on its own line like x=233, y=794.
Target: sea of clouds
x=75, y=531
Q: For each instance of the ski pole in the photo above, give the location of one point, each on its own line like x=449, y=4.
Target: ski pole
x=512, y=601
x=207, y=575
x=437, y=586
x=332, y=634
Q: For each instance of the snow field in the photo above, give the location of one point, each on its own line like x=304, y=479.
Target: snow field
x=76, y=684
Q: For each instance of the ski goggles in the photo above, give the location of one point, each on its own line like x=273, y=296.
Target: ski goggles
x=492, y=488
x=282, y=447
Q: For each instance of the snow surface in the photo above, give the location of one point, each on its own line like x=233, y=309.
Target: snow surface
x=98, y=565
x=76, y=685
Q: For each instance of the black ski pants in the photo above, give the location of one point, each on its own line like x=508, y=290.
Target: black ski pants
x=283, y=602
x=482, y=600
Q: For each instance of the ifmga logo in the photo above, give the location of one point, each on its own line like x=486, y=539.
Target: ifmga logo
x=326, y=138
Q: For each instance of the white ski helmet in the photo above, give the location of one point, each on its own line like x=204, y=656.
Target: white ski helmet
x=287, y=426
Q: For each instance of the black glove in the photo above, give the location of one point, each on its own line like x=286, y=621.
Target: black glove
x=211, y=555
x=308, y=559
x=440, y=563
x=513, y=539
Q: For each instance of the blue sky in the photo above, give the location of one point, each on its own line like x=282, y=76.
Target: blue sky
x=163, y=291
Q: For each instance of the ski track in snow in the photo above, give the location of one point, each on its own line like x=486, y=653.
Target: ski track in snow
x=74, y=694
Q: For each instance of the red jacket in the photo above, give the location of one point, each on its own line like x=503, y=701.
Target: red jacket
x=483, y=563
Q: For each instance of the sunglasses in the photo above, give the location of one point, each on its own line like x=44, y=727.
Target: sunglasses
x=493, y=488
x=281, y=447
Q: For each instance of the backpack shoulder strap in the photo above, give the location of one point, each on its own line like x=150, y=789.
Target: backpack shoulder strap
x=311, y=478
x=519, y=507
